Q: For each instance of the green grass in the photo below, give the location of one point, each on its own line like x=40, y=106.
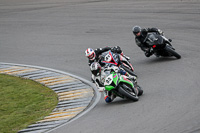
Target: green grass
x=23, y=102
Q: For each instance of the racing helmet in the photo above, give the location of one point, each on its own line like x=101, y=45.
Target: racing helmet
x=95, y=68
x=136, y=29
x=90, y=54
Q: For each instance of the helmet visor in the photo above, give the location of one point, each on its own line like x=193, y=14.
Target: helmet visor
x=96, y=72
x=138, y=33
x=136, y=30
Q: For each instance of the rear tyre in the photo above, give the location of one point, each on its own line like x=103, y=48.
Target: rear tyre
x=174, y=53
x=128, y=93
x=129, y=71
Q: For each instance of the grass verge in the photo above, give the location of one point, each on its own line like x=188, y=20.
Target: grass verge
x=23, y=102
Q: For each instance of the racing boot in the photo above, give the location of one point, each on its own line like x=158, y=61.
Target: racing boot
x=109, y=96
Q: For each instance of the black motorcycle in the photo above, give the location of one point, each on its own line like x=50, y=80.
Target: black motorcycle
x=160, y=45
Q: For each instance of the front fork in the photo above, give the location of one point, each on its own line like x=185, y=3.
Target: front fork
x=168, y=42
x=134, y=90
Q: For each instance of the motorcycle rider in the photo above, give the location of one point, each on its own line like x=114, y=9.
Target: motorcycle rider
x=93, y=55
x=140, y=35
x=99, y=75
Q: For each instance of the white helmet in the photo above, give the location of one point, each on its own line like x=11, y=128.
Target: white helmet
x=90, y=54
x=95, y=68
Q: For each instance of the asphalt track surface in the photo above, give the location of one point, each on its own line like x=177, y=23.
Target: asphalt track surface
x=55, y=34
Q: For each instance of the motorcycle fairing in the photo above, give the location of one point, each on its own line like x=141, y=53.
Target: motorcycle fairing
x=109, y=59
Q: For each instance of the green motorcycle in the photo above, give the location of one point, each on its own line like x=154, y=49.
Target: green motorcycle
x=120, y=86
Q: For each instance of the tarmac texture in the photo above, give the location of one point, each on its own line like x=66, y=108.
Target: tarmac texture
x=55, y=34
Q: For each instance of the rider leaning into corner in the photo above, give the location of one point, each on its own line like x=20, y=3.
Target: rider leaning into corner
x=140, y=35
x=96, y=67
x=99, y=75
x=93, y=55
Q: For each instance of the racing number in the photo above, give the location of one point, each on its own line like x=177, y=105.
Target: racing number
x=107, y=57
x=108, y=80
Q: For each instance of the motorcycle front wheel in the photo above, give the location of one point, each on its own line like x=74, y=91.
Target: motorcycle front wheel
x=126, y=91
x=140, y=90
x=172, y=52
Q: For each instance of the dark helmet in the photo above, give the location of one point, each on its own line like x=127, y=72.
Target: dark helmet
x=136, y=29
x=116, y=49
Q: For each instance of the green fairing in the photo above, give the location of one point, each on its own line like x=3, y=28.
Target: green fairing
x=125, y=81
x=109, y=87
x=115, y=79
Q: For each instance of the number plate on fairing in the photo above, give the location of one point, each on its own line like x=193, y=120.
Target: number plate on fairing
x=108, y=80
x=108, y=58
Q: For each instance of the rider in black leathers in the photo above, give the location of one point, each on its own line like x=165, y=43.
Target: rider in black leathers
x=93, y=55
x=140, y=35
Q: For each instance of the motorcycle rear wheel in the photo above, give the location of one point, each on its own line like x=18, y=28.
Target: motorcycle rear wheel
x=128, y=70
x=124, y=91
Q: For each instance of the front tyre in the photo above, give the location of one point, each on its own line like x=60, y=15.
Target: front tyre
x=172, y=52
x=128, y=93
x=140, y=90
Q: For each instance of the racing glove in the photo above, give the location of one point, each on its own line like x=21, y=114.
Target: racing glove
x=160, y=32
x=101, y=89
